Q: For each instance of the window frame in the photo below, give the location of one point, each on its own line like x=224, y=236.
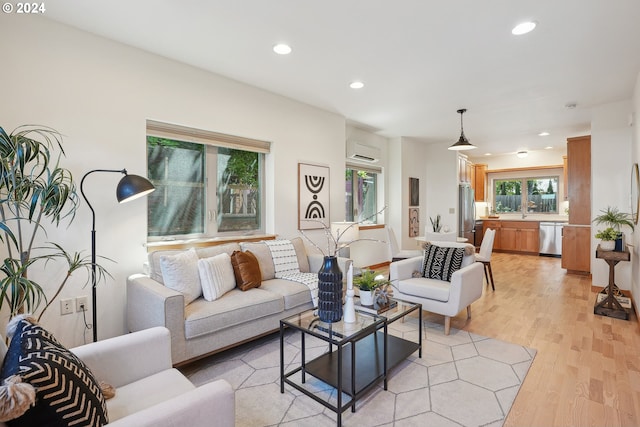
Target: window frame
x=351, y=212
x=524, y=193
x=212, y=141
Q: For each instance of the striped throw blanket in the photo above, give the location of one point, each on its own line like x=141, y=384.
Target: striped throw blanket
x=286, y=266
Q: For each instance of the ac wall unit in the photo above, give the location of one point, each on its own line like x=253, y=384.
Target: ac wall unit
x=361, y=152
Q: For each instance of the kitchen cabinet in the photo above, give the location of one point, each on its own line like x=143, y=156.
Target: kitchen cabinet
x=565, y=180
x=480, y=180
x=576, y=236
x=576, y=249
x=465, y=170
x=579, y=179
x=520, y=236
x=515, y=236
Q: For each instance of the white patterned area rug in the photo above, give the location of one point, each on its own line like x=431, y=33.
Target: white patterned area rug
x=462, y=379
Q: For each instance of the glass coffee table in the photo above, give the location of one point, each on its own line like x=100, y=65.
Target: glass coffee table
x=359, y=354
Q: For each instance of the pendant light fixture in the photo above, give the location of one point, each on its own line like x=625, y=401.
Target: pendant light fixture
x=463, y=143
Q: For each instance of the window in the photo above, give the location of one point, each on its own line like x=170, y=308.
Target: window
x=540, y=195
x=361, y=195
x=206, y=183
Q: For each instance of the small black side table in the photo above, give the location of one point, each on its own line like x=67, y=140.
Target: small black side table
x=610, y=306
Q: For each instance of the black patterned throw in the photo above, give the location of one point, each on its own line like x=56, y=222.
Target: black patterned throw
x=67, y=394
x=441, y=262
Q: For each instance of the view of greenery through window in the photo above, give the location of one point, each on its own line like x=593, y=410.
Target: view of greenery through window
x=361, y=196
x=197, y=183
x=541, y=195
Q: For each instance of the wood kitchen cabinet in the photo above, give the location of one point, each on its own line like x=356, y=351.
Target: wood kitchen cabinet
x=520, y=236
x=579, y=179
x=576, y=249
x=576, y=236
x=466, y=172
x=480, y=180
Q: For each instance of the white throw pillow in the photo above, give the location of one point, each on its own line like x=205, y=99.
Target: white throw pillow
x=180, y=273
x=216, y=276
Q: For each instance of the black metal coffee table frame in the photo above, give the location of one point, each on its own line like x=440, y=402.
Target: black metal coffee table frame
x=364, y=353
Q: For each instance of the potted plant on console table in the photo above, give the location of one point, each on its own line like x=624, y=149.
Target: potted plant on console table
x=612, y=237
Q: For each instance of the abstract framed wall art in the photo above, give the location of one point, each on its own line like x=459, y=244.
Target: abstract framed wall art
x=414, y=192
x=313, y=196
x=414, y=222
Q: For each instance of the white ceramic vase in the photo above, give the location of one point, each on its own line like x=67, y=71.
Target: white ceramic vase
x=366, y=297
x=607, y=245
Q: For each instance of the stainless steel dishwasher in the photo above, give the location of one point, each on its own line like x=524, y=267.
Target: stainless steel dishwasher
x=551, y=239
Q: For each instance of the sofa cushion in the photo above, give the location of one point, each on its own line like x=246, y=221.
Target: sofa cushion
x=154, y=257
x=425, y=288
x=147, y=392
x=295, y=294
x=301, y=253
x=66, y=392
x=263, y=255
x=246, y=269
x=180, y=273
x=216, y=276
x=441, y=262
x=235, y=307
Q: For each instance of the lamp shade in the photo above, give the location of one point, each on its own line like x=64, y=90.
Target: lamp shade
x=462, y=143
x=345, y=232
x=132, y=187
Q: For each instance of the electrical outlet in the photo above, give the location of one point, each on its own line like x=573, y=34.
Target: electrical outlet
x=66, y=306
x=81, y=303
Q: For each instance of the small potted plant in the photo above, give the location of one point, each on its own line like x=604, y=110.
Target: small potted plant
x=614, y=220
x=368, y=282
x=607, y=238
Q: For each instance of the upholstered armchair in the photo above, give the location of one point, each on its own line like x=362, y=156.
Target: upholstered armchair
x=445, y=297
x=148, y=390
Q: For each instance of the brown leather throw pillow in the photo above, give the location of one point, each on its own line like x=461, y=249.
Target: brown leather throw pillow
x=246, y=269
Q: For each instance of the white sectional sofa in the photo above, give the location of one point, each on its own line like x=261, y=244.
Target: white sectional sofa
x=204, y=327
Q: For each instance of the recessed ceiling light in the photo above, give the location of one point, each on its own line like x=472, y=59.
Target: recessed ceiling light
x=523, y=28
x=544, y=134
x=548, y=148
x=356, y=85
x=487, y=154
x=282, y=49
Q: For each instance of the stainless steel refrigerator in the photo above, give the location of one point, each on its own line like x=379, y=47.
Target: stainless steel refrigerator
x=466, y=213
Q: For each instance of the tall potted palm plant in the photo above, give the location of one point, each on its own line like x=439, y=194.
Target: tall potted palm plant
x=34, y=191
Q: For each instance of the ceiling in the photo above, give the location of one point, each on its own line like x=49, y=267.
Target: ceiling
x=420, y=60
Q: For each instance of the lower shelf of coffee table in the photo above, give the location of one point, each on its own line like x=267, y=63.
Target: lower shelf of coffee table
x=369, y=362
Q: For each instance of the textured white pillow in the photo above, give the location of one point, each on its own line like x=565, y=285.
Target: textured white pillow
x=180, y=273
x=216, y=276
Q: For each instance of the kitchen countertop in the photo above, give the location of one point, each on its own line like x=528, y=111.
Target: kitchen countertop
x=532, y=218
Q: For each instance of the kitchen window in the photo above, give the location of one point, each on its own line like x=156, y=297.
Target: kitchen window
x=361, y=194
x=526, y=195
x=207, y=184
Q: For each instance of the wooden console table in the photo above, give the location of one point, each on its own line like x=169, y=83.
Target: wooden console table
x=610, y=306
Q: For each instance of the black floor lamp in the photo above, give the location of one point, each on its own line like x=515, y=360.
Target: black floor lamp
x=129, y=188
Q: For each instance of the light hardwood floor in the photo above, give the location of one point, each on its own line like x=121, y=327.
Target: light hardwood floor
x=587, y=369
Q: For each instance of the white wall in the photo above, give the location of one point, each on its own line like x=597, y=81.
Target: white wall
x=98, y=94
x=442, y=186
x=611, y=162
x=635, y=237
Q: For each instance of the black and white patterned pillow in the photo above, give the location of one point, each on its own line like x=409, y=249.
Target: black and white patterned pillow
x=67, y=394
x=441, y=262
